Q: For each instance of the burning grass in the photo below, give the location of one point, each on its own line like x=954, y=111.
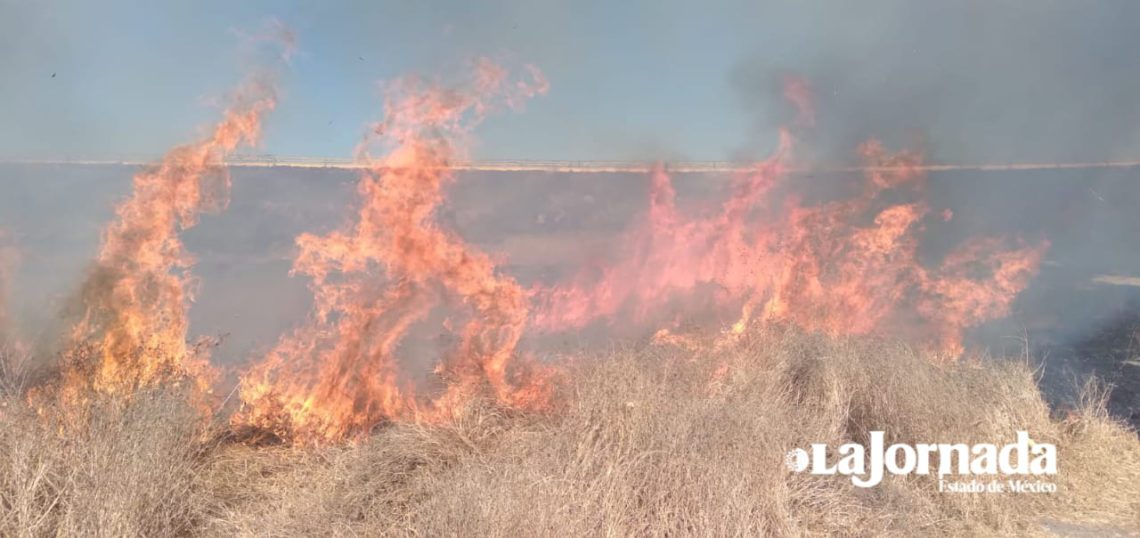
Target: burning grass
x=685, y=435
x=655, y=440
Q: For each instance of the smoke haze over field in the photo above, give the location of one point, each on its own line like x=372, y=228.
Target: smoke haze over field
x=395, y=267
x=973, y=80
x=544, y=226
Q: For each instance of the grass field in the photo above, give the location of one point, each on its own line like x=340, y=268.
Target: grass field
x=654, y=440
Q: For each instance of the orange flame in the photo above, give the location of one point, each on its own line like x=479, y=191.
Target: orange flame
x=958, y=301
x=840, y=267
x=379, y=277
x=136, y=296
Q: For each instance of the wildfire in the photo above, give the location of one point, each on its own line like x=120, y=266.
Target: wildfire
x=132, y=329
x=384, y=274
x=841, y=267
x=392, y=274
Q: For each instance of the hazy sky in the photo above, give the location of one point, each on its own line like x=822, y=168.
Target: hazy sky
x=971, y=80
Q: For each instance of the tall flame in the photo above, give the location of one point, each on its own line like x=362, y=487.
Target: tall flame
x=387, y=271
x=133, y=324
x=842, y=267
x=839, y=266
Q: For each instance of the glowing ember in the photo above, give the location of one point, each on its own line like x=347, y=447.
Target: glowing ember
x=382, y=275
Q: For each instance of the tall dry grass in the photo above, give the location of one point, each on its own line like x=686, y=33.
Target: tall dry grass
x=650, y=441
x=111, y=467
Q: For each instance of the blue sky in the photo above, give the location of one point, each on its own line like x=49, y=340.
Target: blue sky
x=667, y=79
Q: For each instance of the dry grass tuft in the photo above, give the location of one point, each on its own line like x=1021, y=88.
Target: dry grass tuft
x=116, y=468
x=653, y=441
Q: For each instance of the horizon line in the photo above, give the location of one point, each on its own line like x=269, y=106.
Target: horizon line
x=590, y=166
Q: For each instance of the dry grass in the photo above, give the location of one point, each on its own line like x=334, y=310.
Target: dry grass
x=650, y=442
x=109, y=468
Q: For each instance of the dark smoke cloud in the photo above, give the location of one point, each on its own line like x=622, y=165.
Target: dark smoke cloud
x=974, y=81
x=977, y=82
